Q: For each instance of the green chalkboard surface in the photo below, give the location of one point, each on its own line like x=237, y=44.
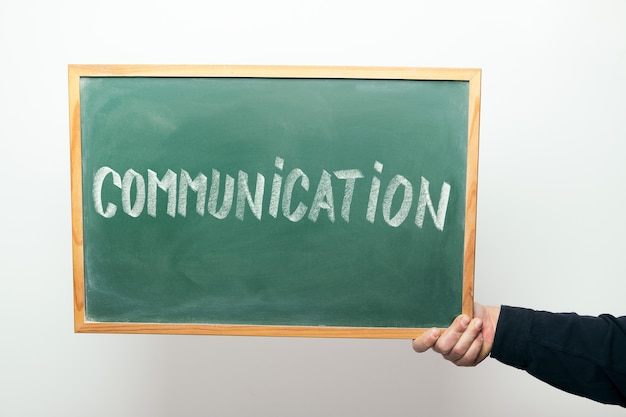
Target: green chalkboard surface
x=313, y=201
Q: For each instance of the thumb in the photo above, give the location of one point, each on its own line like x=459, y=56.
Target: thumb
x=426, y=340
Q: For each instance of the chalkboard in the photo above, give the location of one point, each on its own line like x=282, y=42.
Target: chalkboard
x=286, y=201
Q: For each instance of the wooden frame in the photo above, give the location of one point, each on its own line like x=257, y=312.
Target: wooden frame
x=75, y=72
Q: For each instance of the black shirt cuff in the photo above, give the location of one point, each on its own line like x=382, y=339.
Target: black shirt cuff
x=511, y=338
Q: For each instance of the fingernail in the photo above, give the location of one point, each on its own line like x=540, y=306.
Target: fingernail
x=434, y=333
x=478, y=324
x=465, y=321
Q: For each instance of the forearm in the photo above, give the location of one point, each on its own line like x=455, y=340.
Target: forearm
x=578, y=354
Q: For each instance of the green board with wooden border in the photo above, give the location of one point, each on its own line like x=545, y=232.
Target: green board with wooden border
x=272, y=200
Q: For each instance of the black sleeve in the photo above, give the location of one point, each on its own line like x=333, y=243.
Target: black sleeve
x=582, y=355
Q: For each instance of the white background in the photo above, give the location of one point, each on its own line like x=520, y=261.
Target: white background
x=551, y=223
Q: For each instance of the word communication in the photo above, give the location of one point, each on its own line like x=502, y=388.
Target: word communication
x=138, y=195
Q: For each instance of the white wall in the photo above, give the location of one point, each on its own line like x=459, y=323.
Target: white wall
x=551, y=201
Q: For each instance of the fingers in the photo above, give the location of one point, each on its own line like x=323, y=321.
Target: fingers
x=473, y=354
x=451, y=336
x=427, y=340
x=442, y=343
x=463, y=348
x=467, y=342
x=462, y=343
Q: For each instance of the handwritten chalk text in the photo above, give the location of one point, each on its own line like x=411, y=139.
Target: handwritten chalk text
x=138, y=194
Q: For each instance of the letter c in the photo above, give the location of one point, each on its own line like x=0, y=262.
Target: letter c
x=98, y=180
x=301, y=209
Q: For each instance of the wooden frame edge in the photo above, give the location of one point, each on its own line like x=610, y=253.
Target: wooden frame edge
x=77, y=200
x=251, y=330
x=276, y=71
x=471, y=192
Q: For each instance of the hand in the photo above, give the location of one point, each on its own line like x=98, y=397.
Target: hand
x=466, y=342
